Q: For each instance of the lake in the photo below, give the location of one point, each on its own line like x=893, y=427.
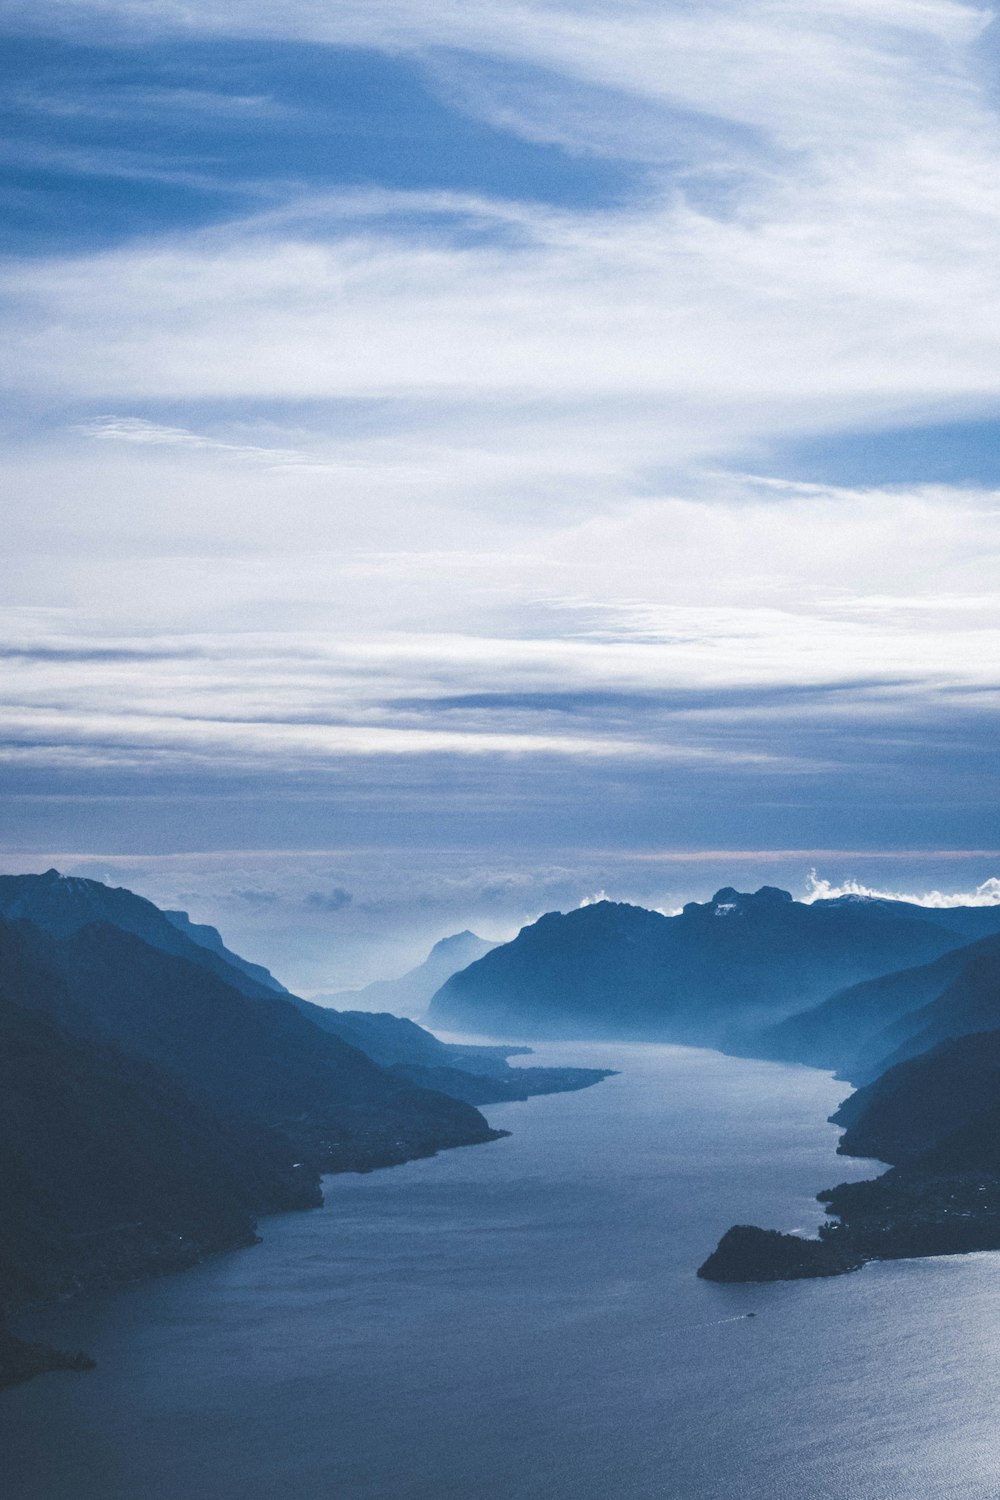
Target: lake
x=522, y=1321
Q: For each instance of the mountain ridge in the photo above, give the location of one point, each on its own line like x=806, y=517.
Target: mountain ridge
x=711, y=975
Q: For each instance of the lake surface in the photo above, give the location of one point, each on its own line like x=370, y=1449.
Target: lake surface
x=522, y=1321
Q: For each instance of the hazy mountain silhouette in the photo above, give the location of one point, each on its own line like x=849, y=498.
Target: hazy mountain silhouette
x=411, y=993
x=711, y=975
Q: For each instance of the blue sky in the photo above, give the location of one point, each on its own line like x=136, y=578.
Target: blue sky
x=466, y=458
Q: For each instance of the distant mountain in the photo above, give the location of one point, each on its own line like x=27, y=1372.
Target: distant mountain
x=712, y=975
x=63, y=904
x=411, y=993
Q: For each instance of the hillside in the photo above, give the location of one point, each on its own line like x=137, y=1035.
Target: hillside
x=854, y=1030
x=62, y=904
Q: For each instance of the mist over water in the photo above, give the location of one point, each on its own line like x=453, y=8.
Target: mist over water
x=522, y=1321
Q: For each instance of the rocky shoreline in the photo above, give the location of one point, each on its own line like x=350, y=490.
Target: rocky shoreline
x=905, y=1215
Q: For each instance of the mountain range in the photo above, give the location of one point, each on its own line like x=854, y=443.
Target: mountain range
x=160, y=1093
x=716, y=974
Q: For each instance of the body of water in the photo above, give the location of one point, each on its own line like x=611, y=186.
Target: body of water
x=522, y=1321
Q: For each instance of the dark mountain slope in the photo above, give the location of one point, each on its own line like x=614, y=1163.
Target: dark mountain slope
x=917, y=1104
x=851, y=1031
x=970, y=1003
x=149, y=1111
x=62, y=904
x=109, y=1170
x=259, y=1057
x=711, y=975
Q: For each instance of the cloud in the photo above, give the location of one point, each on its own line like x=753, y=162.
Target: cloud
x=256, y=897
x=721, y=636
x=851, y=273
x=595, y=899
x=329, y=901
x=111, y=429
x=985, y=894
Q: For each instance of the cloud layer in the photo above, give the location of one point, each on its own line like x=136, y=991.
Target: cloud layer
x=453, y=495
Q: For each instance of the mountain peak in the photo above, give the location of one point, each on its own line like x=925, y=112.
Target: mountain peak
x=730, y=899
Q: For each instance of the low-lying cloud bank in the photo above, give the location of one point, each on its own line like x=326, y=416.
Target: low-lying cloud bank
x=985, y=894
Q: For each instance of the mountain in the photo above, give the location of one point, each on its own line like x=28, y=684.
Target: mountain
x=938, y=1118
x=211, y=938
x=411, y=993
x=109, y=1168
x=158, y=1093
x=238, y=1053
x=150, y=1111
x=970, y=1002
x=843, y=1031
x=968, y=922
x=710, y=976
x=479, y=1075
x=63, y=904
x=918, y=1105
x=934, y=1113
x=863, y=1029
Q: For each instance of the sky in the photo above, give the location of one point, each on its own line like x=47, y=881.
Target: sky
x=462, y=459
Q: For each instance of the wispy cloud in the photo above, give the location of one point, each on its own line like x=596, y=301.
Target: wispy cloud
x=114, y=429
